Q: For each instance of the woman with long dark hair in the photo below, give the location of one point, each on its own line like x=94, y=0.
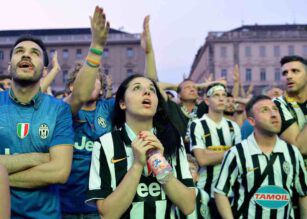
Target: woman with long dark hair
x=121, y=183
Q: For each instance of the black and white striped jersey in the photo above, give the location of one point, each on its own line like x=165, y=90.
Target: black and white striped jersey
x=242, y=167
x=290, y=112
x=206, y=134
x=150, y=201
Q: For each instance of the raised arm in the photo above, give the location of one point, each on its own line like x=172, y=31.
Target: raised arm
x=85, y=80
x=49, y=78
x=150, y=66
x=109, y=87
x=236, y=81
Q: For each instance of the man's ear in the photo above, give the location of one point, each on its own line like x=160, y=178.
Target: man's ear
x=9, y=67
x=206, y=99
x=122, y=105
x=45, y=71
x=251, y=120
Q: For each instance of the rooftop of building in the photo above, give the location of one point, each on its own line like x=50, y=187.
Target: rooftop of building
x=271, y=27
x=58, y=31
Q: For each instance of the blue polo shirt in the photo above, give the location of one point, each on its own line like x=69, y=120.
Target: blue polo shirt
x=88, y=127
x=35, y=127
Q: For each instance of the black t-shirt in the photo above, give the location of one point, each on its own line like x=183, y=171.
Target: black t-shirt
x=180, y=120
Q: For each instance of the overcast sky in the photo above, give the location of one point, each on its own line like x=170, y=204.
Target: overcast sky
x=178, y=27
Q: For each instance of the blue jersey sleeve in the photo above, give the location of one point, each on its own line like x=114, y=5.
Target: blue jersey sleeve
x=63, y=132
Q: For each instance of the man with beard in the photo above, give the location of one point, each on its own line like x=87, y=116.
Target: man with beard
x=263, y=171
x=293, y=104
x=229, y=107
x=91, y=119
x=51, y=124
x=36, y=135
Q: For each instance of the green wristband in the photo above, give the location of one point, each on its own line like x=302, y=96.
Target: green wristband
x=96, y=51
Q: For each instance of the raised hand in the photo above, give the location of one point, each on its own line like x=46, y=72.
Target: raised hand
x=146, y=37
x=236, y=74
x=152, y=139
x=140, y=147
x=55, y=62
x=99, y=28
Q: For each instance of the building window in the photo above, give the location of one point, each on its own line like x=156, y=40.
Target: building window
x=277, y=51
x=248, y=74
x=223, y=51
x=305, y=51
x=1, y=55
x=79, y=53
x=262, y=74
x=262, y=51
x=224, y=73
x=65, y=75
x=130, y=52
x=105, y=53
x=248, y=51
x=277, y=74
x=291, y=50
x=129, y=72
x=65, y=54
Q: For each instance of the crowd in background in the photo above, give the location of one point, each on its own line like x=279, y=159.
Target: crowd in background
x=83, y=152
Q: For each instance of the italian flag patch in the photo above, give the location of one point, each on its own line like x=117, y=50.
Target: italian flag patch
x=23, y=129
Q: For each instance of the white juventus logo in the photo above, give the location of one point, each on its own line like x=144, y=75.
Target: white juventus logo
x=102, y=122
x=43, y=131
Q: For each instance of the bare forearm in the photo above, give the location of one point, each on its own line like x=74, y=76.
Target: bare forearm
x=85, y=80
x=119, y=201
x=301, y=141
x=210, y=158
x=20, y=162
x=303, y=207
x=235, y=89
x=42, y=175
x=180, y=195
x=150, y=66
x=46, y=81
x=5, y=194
x=223, y=206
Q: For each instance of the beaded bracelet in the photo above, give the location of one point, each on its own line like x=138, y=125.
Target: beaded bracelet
x=96, y=51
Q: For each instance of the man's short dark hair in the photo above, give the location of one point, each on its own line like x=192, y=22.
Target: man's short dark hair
x=252, y=102
x=36, y=40
x=3, y=77
x=229, y=94
x=179, y=86
x=293, y=58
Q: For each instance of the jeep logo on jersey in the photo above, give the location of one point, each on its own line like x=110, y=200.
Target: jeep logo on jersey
x=272, y=197
x=153, y=191
x=84, y=144
x=43, y=131
x=102, y=122
x=23, y=130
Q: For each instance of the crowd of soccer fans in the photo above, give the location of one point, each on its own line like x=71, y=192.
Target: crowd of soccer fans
x=82, y=152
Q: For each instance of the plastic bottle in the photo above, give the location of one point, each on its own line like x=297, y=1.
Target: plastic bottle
x=159, y=165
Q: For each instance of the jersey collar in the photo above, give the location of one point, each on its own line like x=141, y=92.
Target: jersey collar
x=34, y=101
x=255, y=149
